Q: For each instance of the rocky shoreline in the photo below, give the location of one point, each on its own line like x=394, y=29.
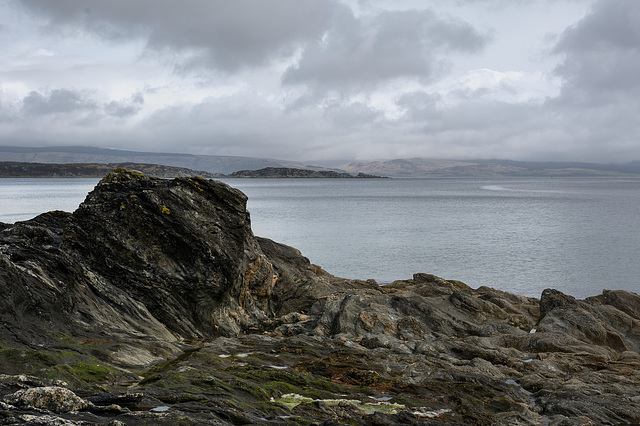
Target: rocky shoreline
x=154, y=303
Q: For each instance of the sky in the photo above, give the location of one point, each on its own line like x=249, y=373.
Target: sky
x=320, y=80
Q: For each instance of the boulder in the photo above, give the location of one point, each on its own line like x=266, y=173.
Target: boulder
x=51, y=398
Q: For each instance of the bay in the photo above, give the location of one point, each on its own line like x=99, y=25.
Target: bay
x=578, y=235
x=25, y=198
x=522, y=235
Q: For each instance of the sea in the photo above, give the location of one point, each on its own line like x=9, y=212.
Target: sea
x=522, y=235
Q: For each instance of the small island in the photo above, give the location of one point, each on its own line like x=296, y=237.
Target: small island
x=287, y=172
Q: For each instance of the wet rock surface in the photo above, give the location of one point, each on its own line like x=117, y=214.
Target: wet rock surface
x=154, y=303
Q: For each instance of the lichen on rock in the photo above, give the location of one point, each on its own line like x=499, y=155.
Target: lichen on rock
x=52, y=398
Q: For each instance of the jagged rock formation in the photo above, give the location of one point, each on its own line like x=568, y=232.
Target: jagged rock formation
x=166, y=259
x=154, y=303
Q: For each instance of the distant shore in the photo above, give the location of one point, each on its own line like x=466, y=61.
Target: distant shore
x=10, y=169
x=287, y=172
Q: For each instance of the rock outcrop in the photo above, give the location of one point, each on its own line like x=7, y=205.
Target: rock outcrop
x=154, y=303
x=141, y=256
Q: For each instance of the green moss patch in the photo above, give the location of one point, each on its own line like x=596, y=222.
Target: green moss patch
x=77, y=369
x=81, y=374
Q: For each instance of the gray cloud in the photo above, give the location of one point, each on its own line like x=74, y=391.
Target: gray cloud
x=242, y=123
x=339, y=49
x=419, y=106
x=58, y=101
x=232, y=123
x=477, y=124
x=316, y=80
x=127, y=108
x=600, y=95
x=220, y=34
x=62, y=114
x=360, y=52
x=355, y=115
x=601, y=54
x=6, y=112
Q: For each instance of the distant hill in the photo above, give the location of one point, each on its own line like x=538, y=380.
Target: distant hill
x=83, y=154
x=77, y=170
x=409, y=167
x=10, y=169
x=420, y=167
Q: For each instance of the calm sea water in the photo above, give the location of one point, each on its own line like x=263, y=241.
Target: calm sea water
x=578, y=235
x=22, y=199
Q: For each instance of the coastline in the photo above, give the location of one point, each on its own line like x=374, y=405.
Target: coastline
x=154, y=302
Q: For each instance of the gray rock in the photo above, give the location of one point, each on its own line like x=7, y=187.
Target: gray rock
x=51, y=398
x=155, y=293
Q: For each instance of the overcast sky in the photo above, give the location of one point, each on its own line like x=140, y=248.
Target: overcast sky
x=325, y=79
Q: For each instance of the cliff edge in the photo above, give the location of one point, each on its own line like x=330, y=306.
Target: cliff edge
x=154, y=303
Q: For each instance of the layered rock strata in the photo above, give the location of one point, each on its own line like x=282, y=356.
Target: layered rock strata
x=154, y=303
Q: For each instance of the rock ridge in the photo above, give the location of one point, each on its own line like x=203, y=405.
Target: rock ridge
x=154, y=303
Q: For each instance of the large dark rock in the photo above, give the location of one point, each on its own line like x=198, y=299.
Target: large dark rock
x=207, y=273
x=154, y=303
x=164, y=258
x=146, y=257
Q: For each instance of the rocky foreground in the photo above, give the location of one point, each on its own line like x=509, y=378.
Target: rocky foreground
x=154, y=303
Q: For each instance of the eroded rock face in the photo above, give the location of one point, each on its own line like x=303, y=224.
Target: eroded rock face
x=182, y=247
x=155, y=295
x=171, y=259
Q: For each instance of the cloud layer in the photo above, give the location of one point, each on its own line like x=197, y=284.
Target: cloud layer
x=325, y=79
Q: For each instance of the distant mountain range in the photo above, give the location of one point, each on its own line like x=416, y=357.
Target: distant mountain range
x=417, y=167
x=214, y=164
